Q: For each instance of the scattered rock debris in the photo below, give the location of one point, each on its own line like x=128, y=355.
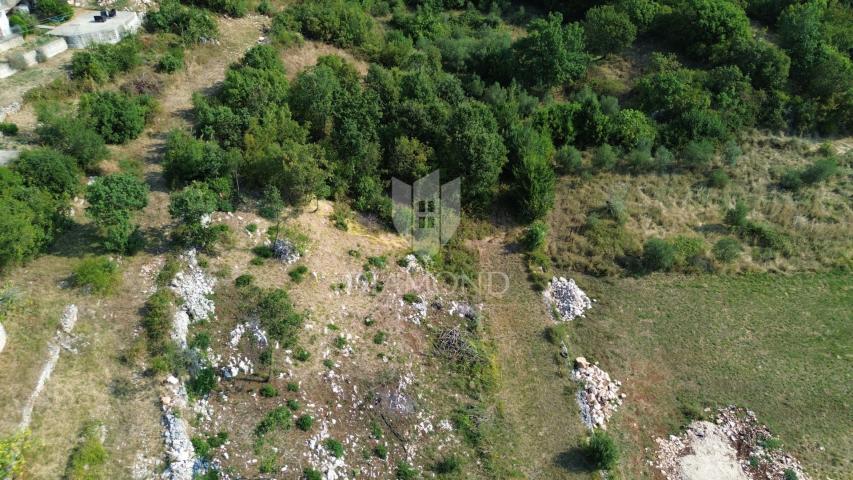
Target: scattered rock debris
x=734, y=447
x=599, y=397
x=285, y=250
x=193, y=286
x=566, y=299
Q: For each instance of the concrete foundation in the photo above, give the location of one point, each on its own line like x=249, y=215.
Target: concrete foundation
x=82, y=30
x=9, y=43
x=6, y=70
x=51, y=49
x=23, y=60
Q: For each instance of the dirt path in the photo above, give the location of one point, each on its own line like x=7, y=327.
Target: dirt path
x=543, y=418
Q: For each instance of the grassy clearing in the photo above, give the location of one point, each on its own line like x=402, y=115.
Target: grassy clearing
x=779, y=345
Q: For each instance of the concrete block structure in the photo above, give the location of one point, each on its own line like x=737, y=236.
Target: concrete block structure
x=83, y=30
x=51, y=49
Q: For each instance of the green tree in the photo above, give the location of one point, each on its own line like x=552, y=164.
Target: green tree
x=192, y=207
x=50, y=170
x=534, y=183
x=478, y=153
x=708, y=27
x=72, y=136
x=188, y=159
x=632, y=128
x=411, y=159
x=116, y=116
x=112, y=201
x=608, y=30
x=29, y=218
x=552, y=53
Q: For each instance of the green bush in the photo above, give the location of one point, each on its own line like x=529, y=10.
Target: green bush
x=244, y=280
x=448, y=465
x=102, y=62
x=268, y=391
x=112, y=201
x=47, y=169
x=411, y=297
x=339, y=22
x=72, y=136
x=305, y=422
x=193, y=25
x=202, y=383
x=278, y=418
x=604, y=158
x=379, y=337
x=8, y=129
x=311, y=474
x=817, y=172
x=157, y=320
x=116, y=116
x=790, y=474
x=271, y=204
x=48, y=9
x=556, y=334
x=25, y=21
x=265, y=8
x=727, y=250
x=718, y=178
x=569, y=160
x=697, y=155
x=293, y=405
x=297, y=274
x=601, y=450
x=381, y=451
x=88, y=458
x=171, y=61
x=687, y=249
x=98, y=274
x=279, y=317
x=535, y=236
x=658, y=255
x=736, y=216
x=334, y=447
x=405, y=471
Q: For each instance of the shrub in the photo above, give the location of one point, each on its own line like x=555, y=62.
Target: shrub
x=46, y=9
x=406, y=471
x=298, y=273
x=171, y=61
x=569, y=160
x=193, y=25
x=790, y=474
x=377, y=261
x=687, y=249
x=601, y=450
x=25, y=21
x=102, y=62
x=265, y=8
x=556, y=334
x=791, y=180
x=697, y=155
x=279, y=318
x=271, y=204
x=608, y=30
x=448, y=465
x=116, y=116
x=302, y=355
x=202, y=383
x=819, y=171
x=201, y=341
x=604, y=158
x=8, y=129
x=411, y=297
x=157, y=320
x=535, y=236
x=50, y=170
x=263, y=251
x=731, y=152
x=342, y=23
x=268, y=391
x=244, y=280
x=334, y=447
x=718, y=178
x=381, y=451
x=311, y=474
x=305, y=422
x=72, y=136
x=292, y=387
x=379, y=337
x=736, y=216
x=88, y=458
x=727, y=250
x=98, y=274
x=293, y=405
x=278, y=418
x=112, y=200
x=188, y=159
x=658, y=255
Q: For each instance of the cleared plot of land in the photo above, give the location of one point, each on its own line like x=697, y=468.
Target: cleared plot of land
x=779, y=345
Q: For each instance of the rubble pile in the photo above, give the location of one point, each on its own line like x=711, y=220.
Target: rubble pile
x=193, y=286
x=599, y=397
x=735, y=446
x=254, y=328
x=411, y=264
x=285, y=251
x=566, y=299
x=179, y=448
x=322, y=460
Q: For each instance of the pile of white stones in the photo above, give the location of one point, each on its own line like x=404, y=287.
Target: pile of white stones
x=193, y=286
x=254, y=328
x=599, y=397
x=566, y=299
x=285, y=250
